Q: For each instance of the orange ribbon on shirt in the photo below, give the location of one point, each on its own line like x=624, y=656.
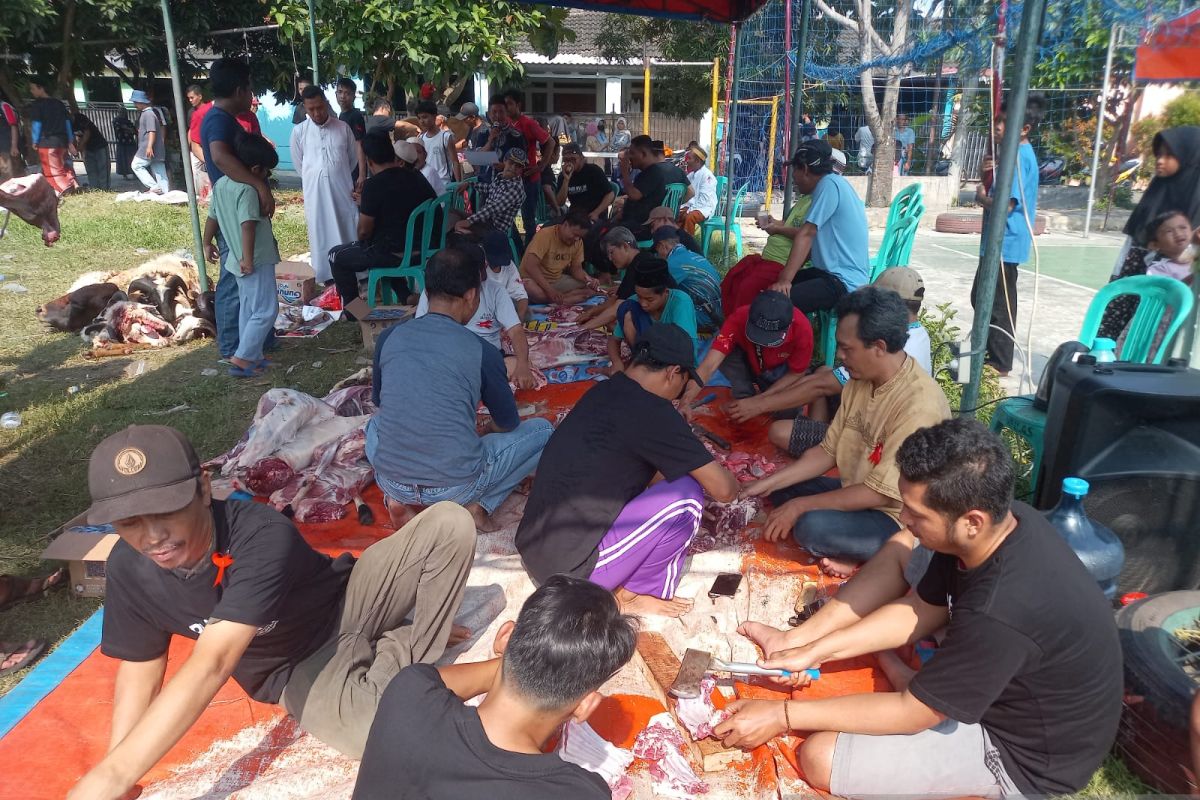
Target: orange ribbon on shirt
x=222, y=560
x=876, y=454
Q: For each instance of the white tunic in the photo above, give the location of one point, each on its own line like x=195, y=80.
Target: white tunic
x=325, y=156
x=704, y=185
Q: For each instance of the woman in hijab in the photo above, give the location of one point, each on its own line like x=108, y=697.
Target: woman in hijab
x=621, y=136
x=596, y=141
x=1175, y=187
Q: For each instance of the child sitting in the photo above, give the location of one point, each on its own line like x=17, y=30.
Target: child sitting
x=568, y=640
x=253, y=252
x=654, y=301
x=1170, y=237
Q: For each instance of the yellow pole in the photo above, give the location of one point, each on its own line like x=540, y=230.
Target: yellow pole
x=771, y=149
x=716, y=81
x=646, y=98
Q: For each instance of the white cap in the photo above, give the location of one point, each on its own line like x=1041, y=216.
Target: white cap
x=839, y=160
x=406, y=151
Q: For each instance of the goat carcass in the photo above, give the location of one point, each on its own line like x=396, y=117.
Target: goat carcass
x=325, y=491
x=32, y=198
x=129, y=322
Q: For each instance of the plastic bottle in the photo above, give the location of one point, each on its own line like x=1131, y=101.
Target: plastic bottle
x=1104, y=351
x=10, y=420
x=1097, y=547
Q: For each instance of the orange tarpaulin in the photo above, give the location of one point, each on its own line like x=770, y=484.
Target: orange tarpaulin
x=1171, y=52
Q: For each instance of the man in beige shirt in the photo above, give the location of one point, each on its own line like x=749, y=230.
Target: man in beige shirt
x=845, y=520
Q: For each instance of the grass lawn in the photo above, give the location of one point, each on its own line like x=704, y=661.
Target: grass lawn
x=43, y=464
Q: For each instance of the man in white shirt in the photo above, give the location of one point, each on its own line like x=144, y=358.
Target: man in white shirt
x=703, y=203
x=325, y=154
x=497, y=249
x=425, y=168
x=496, y=313
x=438, y=144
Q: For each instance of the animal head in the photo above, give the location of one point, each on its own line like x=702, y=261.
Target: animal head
x=74, y=310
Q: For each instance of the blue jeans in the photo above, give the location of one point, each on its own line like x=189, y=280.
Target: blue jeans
x=841, y=535
x=228, y=305
x=258, y=308
x=143, y=169
x=508, y=458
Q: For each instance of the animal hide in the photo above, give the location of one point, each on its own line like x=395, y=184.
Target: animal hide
x=33, y=199
x=579, y=744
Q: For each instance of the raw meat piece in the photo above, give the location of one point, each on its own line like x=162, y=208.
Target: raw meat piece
x=698, y=714
x=301, y=450
x=337, y=476
x=269, y=475
x=281, y=414
x=550, y=348
x=539, y=380
x=352, y=399
x=581, y=745
x=32, y=198
x=661, y=744
x=127, y=321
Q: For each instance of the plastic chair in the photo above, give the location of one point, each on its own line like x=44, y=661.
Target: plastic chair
x=891, y=249
x=412, y=263
x=674, y=197
x=901, y=202
x=717, y=221
x=1157, y=295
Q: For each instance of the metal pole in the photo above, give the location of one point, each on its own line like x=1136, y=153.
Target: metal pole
x=1108, y=59
x=797, y=96
x=731, y=141
x=646, y=96
x=787, y=74
x=993, y=233
x=312, y=41
x=726, y=160
x=184, y=147
x=716, y=110
x=771, y=150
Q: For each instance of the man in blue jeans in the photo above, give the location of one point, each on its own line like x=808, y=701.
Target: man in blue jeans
x=429, y=377
x=229, y=80
x=846, y=520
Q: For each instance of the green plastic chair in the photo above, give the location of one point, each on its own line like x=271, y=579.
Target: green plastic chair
x=1157, y=295
x=717, y=221
x=674, y=197
x=892, y=248
x=901, y=202
x=412, y=263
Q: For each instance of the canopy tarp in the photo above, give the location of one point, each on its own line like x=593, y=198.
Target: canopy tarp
x=711, y=10
x=1172, y=51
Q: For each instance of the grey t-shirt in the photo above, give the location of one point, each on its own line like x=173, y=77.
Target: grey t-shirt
x=149, y=122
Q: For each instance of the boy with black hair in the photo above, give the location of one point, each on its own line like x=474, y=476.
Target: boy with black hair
x=438, y=143
x=252, y=252
x=568, y=640
x=649, y=189
x=1018, y=236
x=51, y=134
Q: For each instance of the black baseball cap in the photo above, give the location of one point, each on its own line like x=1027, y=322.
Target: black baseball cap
x=815, y=153
x=497, y=249
x=664, y=233
x=669, y=344
x=144, y=469
x=770, y=317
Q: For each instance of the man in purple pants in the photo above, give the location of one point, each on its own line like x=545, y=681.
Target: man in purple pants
x=621, y=484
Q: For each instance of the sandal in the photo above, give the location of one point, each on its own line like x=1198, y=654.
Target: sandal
x=18, y=655
x=253, y=371
x=16, y=590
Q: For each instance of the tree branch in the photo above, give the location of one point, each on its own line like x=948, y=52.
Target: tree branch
x=840, y=19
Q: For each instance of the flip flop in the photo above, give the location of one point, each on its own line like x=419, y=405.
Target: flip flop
x=22, y=590
x=28, y=652
x=252, y=371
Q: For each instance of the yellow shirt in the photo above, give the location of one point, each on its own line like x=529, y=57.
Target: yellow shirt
x=778, y=246
x=871, y=424
x=555, y=256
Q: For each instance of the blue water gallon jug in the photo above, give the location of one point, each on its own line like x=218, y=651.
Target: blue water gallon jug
x=1097, y=547
x=1105, y=352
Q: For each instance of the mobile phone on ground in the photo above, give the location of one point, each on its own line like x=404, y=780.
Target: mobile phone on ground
x=725, y=585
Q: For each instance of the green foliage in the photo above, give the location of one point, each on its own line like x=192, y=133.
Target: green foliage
x=20, y=19
x=678, y=91
x=939, y=322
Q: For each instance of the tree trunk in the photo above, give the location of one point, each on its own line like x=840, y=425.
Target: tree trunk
x=958, y=138
x=879, y=192
x=66, y=69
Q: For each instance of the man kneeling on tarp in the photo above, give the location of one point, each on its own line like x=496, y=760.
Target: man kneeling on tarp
x=596, y=510
x=1024, y=694
x=323, y=637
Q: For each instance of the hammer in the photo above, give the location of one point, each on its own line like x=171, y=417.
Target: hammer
x=697, y=663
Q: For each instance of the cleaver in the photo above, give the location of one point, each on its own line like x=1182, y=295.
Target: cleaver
x=697, y=663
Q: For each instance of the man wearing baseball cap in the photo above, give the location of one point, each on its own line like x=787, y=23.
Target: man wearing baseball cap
x=661, y=217
x=759, y=344
x=502, y=198
x=834, y=233
x=150, y=161
x=594, y=511
x=497, y=250
x=321, y=636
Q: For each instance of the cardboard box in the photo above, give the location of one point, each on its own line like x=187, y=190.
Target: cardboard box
x=374, y=321
x=85, y=549
x=295, y=282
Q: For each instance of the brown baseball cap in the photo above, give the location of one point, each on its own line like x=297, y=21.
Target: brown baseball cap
x=904, y=281
x=661, y=212
x=144, y=469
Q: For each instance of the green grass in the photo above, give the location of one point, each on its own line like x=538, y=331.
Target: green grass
x=43, y=464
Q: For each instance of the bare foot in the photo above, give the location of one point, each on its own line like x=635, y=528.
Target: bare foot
x=483, y=521
x=838, y=569
x=458, y=635
x=398, y=513
x=769, y=640
x=644, y=605
x=898, y=673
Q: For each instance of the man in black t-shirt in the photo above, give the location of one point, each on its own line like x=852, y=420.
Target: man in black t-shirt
x=593, y=511
x=649, y=190
x=569, y=638
x=94, y=146
x=52, y=136
x=321, y=636
x=345, y=93
x=1024, y=694
x=389, y=198
x=502, y=137
x=583, y=185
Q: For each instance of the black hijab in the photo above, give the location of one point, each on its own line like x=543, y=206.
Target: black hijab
x=1180, y=192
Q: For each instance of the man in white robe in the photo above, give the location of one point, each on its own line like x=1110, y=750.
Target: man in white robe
x=325, y=153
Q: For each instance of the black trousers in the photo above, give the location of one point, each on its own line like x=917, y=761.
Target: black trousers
x=347, y=260
x=815, y=289
x=1004, y=316
x=742, y=380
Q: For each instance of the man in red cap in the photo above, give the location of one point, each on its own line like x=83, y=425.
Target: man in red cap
x=321, y=636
